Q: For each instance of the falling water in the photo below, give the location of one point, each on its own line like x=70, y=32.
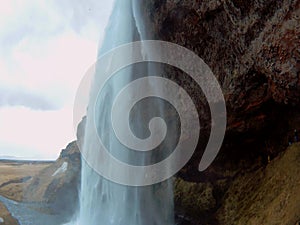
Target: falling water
x=103, y=202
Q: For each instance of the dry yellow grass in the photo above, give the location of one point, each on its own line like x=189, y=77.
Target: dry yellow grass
x=11, y=175
x=8, y=219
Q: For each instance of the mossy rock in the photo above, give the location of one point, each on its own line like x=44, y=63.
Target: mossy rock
x=193, y=199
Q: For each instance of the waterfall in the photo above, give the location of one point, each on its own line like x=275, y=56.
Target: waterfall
x=104, y=202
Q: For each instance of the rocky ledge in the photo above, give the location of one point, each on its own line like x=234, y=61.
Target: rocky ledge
x=56, y=187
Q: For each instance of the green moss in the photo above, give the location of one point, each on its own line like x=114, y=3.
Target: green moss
x=193, y=199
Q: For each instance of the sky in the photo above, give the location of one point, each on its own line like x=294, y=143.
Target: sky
x=45, y=49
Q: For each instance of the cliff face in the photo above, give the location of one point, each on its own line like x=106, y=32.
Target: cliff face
x=56, y=186
x=251, y=46
x=253, y=49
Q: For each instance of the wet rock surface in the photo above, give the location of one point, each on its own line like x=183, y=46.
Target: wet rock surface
x=252, y=47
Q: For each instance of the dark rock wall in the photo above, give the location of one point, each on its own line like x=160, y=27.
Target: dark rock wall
x=253, y=49
x=251, y=46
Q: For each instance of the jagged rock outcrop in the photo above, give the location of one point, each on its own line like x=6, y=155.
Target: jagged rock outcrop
x=56, y=186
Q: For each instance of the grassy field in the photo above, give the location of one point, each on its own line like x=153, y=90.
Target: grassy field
x=15, y=176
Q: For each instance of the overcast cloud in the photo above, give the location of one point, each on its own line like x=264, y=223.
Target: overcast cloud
x=45, y=49
x=19, y=97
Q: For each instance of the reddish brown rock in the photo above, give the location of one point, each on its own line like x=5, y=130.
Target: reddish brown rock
x=252, y=47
